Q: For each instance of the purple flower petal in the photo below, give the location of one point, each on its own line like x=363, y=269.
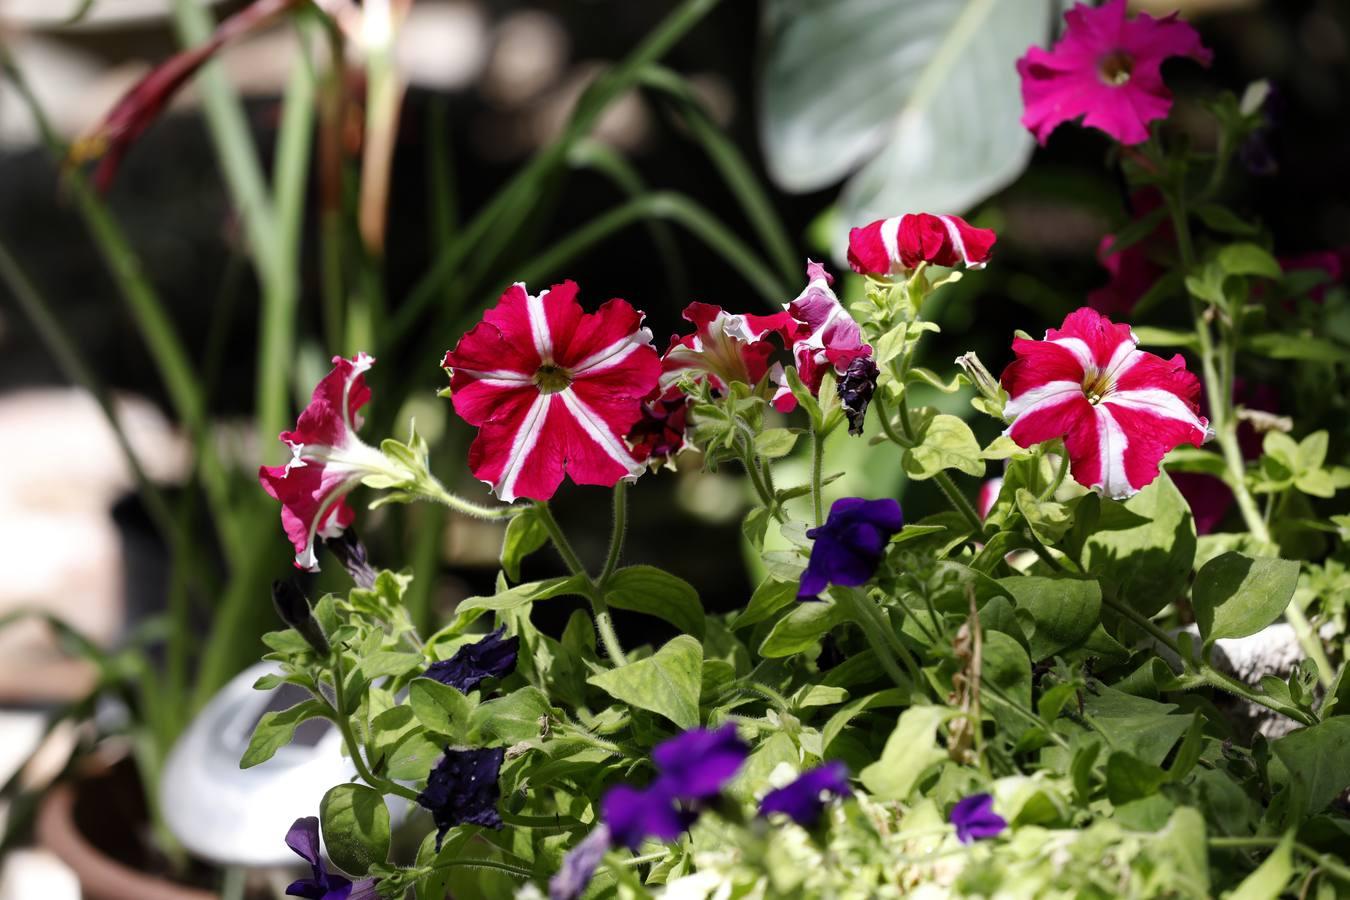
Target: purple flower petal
x=849, y=546
x=634, y=815
x=303, y=838
x=695, y=765
x=975, y=819
x=579, y=865
x=492, y=657
x=463, y=788
x=804, y=799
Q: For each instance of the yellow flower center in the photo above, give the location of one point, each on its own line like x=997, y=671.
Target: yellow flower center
x=551, y=379
x=1115, y=68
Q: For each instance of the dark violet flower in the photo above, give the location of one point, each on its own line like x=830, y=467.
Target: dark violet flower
x=634, y=815
x=804, y=799
x=695, y=765
x=492, y=657
x=856, y=387
x=850, y=544
x=348, y=550
x=463, y=788
x=579, y=865
x=975, y=819
x=303, y=838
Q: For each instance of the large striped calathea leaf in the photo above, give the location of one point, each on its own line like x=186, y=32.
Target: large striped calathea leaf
x=918, y=100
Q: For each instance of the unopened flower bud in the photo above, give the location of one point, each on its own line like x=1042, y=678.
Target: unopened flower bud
x=293, y=607
x=349, y=550
x=983, y=380
x=856, y=387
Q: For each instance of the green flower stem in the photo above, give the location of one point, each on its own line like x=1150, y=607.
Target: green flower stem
x=998, y=694
x=944, y=482
x=616, y=535
x=752, y=469
x=1329, y=863
x=1049, y=492
x=434, y=490
x=817, y=461
x=341, y=718
x=1206, y=674
x=604, y=624
x=550, y=823
x=880, y=636
x=491, y=865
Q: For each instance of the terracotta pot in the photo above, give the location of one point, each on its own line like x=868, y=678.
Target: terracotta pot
x=101, y=876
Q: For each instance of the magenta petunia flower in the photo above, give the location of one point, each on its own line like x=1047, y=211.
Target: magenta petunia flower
x=726, y=348
x=896, y=245
x=553, y=390
x=1107, y=68
x=1118, y=408
x=327, y=461
x=826, y=336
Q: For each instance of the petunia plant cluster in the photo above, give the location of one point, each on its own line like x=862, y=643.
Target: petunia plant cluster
x=1022, y=693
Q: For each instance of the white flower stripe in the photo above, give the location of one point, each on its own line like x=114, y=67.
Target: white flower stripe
x=1112, y=444
x=614, y=354
x=1041, y=397
x=954, y=234
x=1080, y=350
x=497, y=377
x=1123, y=358
x=599, y=432
x=522, y=444
x=890, y=239
x=534, y=311
x=1157, y=402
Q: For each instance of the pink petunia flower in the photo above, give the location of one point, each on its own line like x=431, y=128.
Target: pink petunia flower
x=896, y=245
x=1118, y=408
x=553, y=390
x=726, y=348
x=1106, y=68
x=826, y=335
x=327, y=461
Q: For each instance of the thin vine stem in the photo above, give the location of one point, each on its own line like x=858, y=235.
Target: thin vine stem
x=604, y=623
x=617, y=534
x=341, y=718
x=817, y=462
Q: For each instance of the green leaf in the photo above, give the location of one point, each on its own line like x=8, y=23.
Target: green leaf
x=946, y=442
x=519, y=716
x=775, y=443
x=1147, y=562
x=891, y=697
x=276, y=729
x=802, y=628
x=1318, y=760
x=1220, y=218
x=768, y=598
x=1248, y=259
x=1270, y=878
x=414, y=756
x=1303, y=346
x=525, y=533
x=647, y=589
x=440, y=708
x=1063, y=611
x=383, y=663
x=667, y=683
x=1150, y=336
x=1236, y=595
x=521, y=595
x=910, y=752
x=355, y=827
x=1006, y=667
x=1049, y=520
x=1128, y=778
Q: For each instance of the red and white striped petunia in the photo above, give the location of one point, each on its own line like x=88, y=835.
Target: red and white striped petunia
x=896, y=245
x=827, y=337
x=327, y=461
x=1118, y=408
x=726, y=348
x=553, y=390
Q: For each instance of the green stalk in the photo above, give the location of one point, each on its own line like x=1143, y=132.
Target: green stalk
x=958, y=500
x=880, y=636
x=600, y=609
x=617, y=534
x=603, y=91
x=1323, y=860
x=739, y=177
x=817, y=462
x=342, y=719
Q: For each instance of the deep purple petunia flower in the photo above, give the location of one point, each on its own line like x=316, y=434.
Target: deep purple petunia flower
x=463, y=788
x=975, y=819
x=634, y=815
x=492, y=657
x=579, y=865
x=804, y=799
x=695, y=765
x=850, y=544
x=303, y=838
